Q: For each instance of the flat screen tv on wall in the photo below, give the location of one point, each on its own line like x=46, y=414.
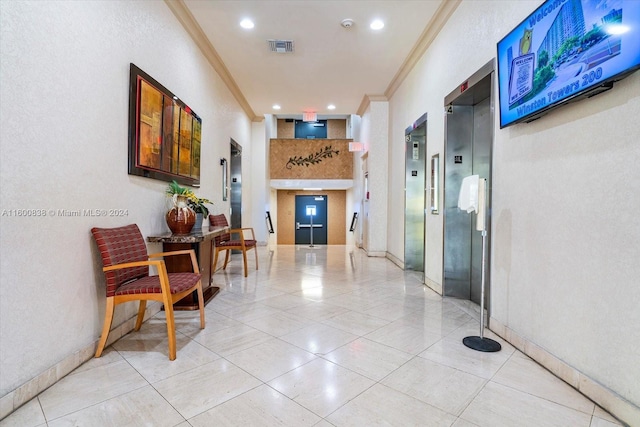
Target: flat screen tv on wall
x=564, y=51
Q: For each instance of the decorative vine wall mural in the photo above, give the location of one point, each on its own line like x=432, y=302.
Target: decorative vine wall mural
x=312, y=159
x=291, y=158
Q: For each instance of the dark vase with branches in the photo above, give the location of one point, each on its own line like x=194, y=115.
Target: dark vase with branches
x=189, y=201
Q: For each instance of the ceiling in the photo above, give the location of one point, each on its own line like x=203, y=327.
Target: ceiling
x=330, y=64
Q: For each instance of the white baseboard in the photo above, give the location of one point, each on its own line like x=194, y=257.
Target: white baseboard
x=32, y=388
x=397, y=261
x=376, y=254
x=619, y=407
x=436, y=287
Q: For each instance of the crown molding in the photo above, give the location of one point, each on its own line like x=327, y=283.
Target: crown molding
x=192, y=27
x=368, y=99
x=431, y=31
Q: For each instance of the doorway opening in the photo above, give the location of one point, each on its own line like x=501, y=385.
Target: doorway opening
x=468, y=151
x=415, y=196
x=311, y=220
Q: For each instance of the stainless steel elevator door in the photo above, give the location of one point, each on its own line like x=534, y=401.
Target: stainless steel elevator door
x=481, y=166
x=457, y=224
x=468, y=151
x=235, y=166
x=414, y=210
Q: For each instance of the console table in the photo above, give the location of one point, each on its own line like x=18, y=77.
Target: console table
x=201, y=241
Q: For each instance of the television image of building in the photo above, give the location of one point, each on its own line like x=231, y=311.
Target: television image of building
x=568, y=23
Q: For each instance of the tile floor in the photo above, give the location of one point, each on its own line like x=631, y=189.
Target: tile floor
x=320, y=336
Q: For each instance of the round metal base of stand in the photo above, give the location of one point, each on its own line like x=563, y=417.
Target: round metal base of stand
x=482, y=344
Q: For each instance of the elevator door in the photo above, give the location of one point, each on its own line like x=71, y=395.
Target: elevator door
x=414, y=205
x=311, y=220
x=468, y=148
x=235, y=167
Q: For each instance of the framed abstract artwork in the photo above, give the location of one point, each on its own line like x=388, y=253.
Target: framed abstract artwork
x=165, y=135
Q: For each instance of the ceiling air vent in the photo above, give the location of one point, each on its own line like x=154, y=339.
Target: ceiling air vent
x=281, y=46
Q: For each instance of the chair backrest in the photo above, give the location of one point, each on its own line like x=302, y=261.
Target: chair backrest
x=117, y=246
x=220, y=221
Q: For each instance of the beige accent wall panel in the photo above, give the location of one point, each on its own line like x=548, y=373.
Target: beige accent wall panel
x=286, y=129
x=286, y=217
x=310, y=159
x=336, y=129
x=336, y=222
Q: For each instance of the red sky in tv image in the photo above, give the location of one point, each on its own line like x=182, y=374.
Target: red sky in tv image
x=564, y=48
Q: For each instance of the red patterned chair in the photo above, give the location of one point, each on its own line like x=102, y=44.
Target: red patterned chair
x=126, y=268
x=227, y=242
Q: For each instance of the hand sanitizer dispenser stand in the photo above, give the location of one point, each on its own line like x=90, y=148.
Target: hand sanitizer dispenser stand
x=473, y=199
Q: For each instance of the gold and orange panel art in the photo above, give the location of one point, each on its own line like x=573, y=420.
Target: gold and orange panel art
x=165, y=135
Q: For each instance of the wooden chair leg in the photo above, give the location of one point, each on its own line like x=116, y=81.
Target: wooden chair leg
x=141, y=309
x=244, y=259
x=201, y=304
x=255, y=250
x=106, y=327
x=215, y=259
x=226, y=258
x=171, y=330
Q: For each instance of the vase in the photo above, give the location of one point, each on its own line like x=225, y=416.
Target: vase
x=180, y=217
x=198, y=225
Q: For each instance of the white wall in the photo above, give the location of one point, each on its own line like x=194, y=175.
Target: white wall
x=255, y=175
x=64, y=112
x=262, y=134
x=566, y=197
x=374, y=129
x=355, y=197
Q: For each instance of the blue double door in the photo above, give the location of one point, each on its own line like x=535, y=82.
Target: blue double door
x=311, y=220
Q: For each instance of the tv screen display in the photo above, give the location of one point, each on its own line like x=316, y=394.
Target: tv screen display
x=564, y=50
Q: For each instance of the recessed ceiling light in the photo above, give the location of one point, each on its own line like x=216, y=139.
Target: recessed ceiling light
x=247, y=24
x=331, y=107
x=276, y=107
x=377, y=25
